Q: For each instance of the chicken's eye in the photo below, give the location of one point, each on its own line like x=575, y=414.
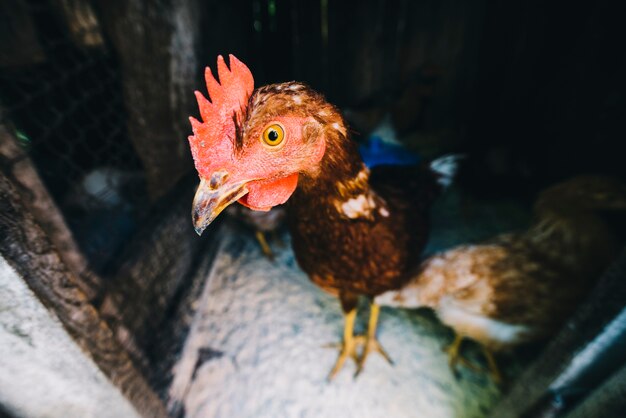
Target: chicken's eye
x=273, y=135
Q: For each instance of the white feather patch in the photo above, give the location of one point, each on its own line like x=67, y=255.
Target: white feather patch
x=359, y=207
x=339, y=128
x=407, y=298
x=473, y=325
x=493, y=330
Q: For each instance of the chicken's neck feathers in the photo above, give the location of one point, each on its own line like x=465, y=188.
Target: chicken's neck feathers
x=342, y=176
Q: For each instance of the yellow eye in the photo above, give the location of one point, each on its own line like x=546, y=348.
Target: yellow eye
x=273, y=135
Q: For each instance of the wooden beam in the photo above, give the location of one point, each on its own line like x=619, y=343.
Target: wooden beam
x=40, y=360
x=157, y=45
x=31, y=253
x=34, y=195
x=609, y=400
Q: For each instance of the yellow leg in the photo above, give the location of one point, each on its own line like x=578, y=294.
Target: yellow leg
x=371, y=342
x=260, y=236
x=454, y=351
x=493, y=366
x=454, y=354
x=348, y=347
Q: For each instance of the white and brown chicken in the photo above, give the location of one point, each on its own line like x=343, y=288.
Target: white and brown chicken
x=521, y=287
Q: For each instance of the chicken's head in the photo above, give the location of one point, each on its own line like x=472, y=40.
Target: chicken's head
x=252, y=146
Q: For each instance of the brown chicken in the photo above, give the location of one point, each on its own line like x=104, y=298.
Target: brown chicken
x=521, y=287
x=354, y=232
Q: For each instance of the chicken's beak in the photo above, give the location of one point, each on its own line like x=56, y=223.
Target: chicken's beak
x=213, y=196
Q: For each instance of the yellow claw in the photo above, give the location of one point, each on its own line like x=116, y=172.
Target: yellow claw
x=454, y=352
x=371, y=342
x=348, y=347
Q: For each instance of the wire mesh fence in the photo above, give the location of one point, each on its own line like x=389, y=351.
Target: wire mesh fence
x=61, y=96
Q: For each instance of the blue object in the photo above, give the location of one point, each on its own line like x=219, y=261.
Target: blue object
x=375, y=151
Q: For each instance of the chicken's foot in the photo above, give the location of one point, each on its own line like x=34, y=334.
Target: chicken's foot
x=455, y=357
x=454, y=353
x=348, y=347
x=494, y=370
x=371, y=342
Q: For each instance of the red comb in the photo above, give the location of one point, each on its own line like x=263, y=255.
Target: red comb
x=228, y=96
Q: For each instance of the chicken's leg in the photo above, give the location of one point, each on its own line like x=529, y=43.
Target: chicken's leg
x=454, y=352
x=493, y=366
x=371, y=342
x=267, y=251
x=348, y=347
x=454, y=355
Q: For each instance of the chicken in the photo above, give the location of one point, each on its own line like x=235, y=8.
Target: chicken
x=521, y=287
x=354, y=232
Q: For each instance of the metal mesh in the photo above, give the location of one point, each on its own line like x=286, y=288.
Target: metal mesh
x=61, y=95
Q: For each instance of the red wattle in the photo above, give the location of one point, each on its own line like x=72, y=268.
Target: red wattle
x=265, y=194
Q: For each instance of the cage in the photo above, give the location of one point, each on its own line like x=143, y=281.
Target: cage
x=111, y=305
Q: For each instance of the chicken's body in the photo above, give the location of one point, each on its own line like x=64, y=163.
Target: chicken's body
x=520, y=287
x=354, y=232
x=361, y=234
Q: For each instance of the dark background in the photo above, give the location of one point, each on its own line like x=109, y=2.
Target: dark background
x=537, y=86
x=96, y=93
x=533, y=92
x=534, y=88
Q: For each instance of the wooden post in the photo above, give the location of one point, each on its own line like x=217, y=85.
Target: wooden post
x=31, y=253
x=157, y=43
x=19, y=168
x=43, y=372
x=609, y=400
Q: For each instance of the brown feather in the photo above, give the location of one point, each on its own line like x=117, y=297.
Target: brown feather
x=374, y=252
